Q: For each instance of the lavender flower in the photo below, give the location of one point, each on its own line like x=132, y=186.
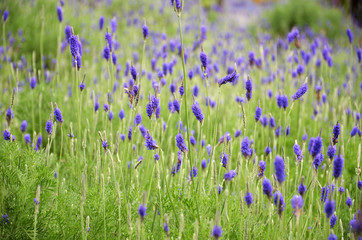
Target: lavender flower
x=329, y=207
x=318, y=160
x=355, y=131
x=32, y=82
x=23, y=126
x=228, y=78
x=49, y=127
x=138, y=119
x=203, y=59
x=110, y=115
x=106, y=53
x=149, y=142
x=216, y=231
x=298, y=151
x=279, y=169
x=349, y=35
x=359, y=54
x=114, y=24
x=336, y=132
x=297, y=204
x=285, y=101
x=7, y=135
x=245, y=148
x=74, y=45
x=332, y=237
x=5, y=15
x=58, y=115
x=27, y=138
x=267, y=188
x=258, y=112
x=349, y=202
x=316, y=146
x=272, y=122
x=134, y=72
x=197, y=112
x=229, y=175
x=9, y=115
x=130, y=134
x=248, y=199
x=181, y=143
x=333, y=220
x=338, y=166
x=203, y=164
x=176, y=105
x=142, y=211
x=60, y=13
x=145, y=31
x=121, y=114
x=224, y=159
x=262, y=166
x=105, y=145
x=249, y=88
x=106, y=107
x=181, y=90
x=101, y=22
x=300, y=92
x=108, y=38
x=166, y=228
x=96, y=106
x=279, y=202
x=39, y=142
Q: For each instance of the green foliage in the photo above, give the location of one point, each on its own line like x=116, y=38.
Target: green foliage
x=306, y=13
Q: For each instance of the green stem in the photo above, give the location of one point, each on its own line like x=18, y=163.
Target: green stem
x=185, y=89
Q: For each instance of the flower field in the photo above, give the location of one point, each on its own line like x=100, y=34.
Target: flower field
x=148, y=120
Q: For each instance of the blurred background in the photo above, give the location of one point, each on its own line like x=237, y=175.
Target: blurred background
x=328, y=18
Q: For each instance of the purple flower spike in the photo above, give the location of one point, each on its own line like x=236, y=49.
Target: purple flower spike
x=279, y=169
x=349, y=35
x=329, y=207
x=300, y=92
x=217, y=232
x=197, y=112
x=181, y=143
x=60, y=13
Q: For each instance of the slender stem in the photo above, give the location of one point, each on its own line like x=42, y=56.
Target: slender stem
x=185, y=88
x=41, y=42
x=61, y=142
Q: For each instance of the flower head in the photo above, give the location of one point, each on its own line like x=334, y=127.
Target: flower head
x=300, y=92
x=49, y=127
x=7, y=135
x=258, y=112
x=203, y=59
x=267, y=188
x=217, y=232
x=297, y=204
x=60, y=13
x=74, y=45
x=149, y=142
x=279, y=169
x=246, y=150
x=349, y=35
x=329, y=207
x=181, y=143
x=145, y=31
x=197, y=112
x=228, y=78
x=142, y=211
x=229, y=175
x=338, y=166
